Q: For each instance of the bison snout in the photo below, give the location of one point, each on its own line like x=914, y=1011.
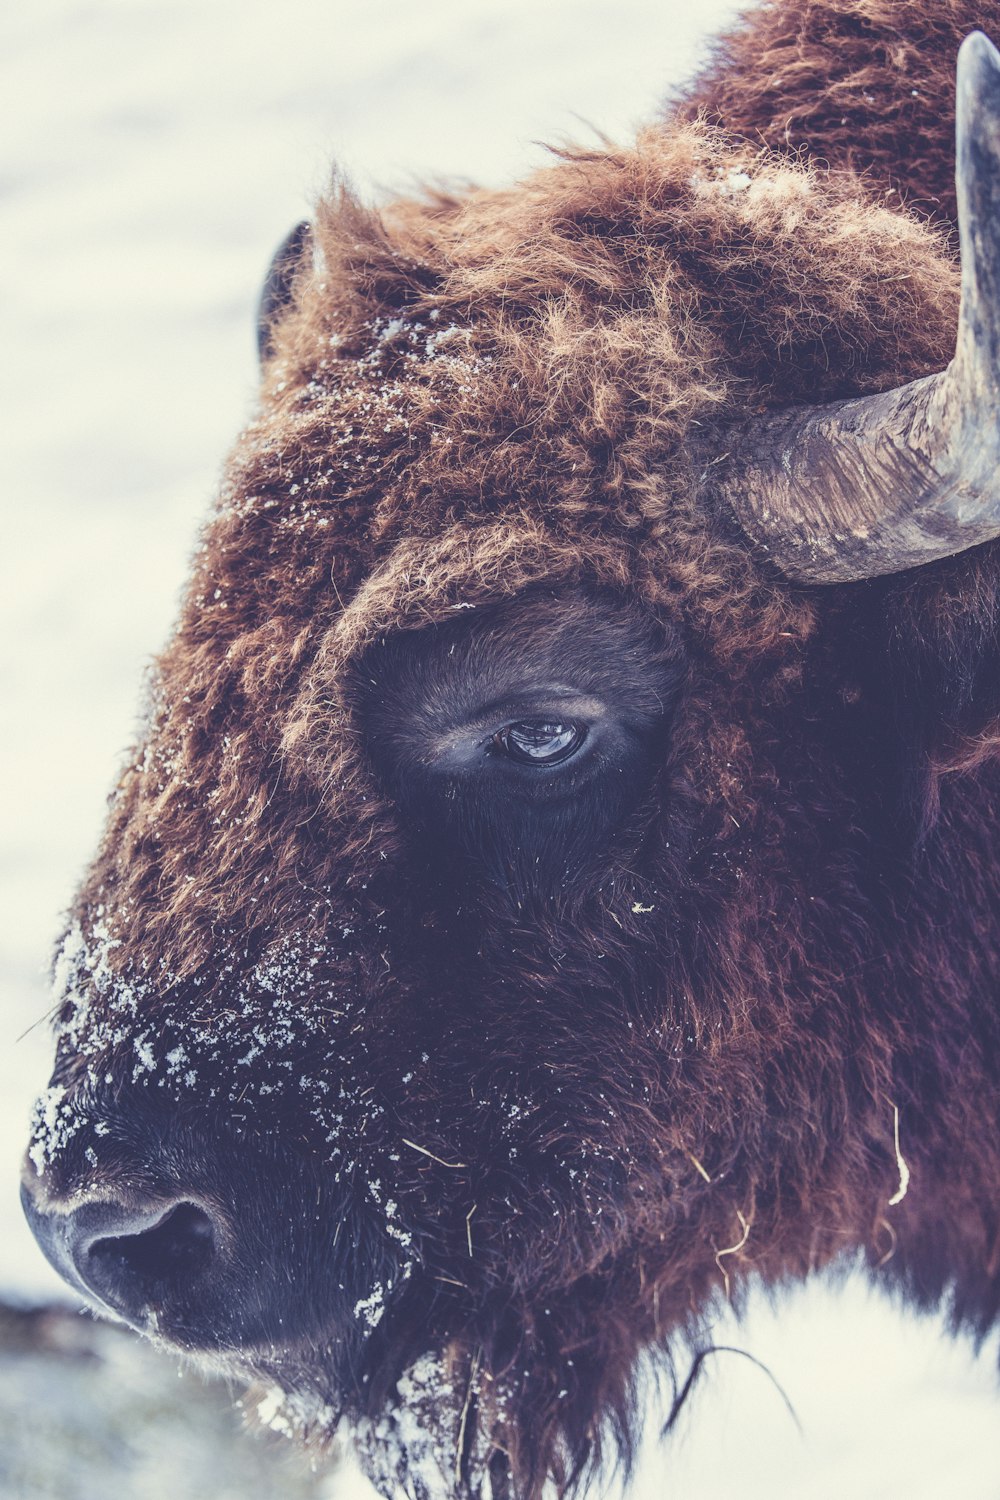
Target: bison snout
x=150, y=1263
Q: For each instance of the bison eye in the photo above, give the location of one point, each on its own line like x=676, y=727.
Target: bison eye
x=540, y=742
x=518, y=739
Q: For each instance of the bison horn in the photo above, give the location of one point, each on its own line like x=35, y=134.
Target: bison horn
x=874, y=485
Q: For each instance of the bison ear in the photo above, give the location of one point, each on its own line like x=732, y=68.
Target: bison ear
x=276, y=293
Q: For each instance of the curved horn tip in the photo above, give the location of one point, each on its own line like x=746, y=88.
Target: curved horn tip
x=978, y=47
x=978, y=72
x=977, y=180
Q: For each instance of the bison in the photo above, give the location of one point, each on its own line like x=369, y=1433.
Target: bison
x=558, y=880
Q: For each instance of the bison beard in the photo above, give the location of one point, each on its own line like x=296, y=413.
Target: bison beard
x=543, y=898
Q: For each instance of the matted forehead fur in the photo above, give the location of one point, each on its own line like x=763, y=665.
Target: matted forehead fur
x=471, y=396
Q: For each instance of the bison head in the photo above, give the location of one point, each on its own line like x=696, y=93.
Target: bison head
x=508, y=934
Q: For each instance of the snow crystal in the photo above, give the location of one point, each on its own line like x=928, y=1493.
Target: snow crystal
x=270, y=1409
x=725, y=182
x=54, y=1124
x=372, y=1307
x=294, y=1413
x=69, y=959
x=394, y=1230
x=147, y=1059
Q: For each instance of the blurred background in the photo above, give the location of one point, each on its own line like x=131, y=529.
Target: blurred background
x=153, y=154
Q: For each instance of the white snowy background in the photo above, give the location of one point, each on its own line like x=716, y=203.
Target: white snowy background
x=153, y=152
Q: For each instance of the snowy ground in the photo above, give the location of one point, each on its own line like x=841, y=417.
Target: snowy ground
x=154, y=152
x=87, y=1411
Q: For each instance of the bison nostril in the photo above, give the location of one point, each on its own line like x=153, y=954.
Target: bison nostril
x=145, y=1262
x=173, y=1250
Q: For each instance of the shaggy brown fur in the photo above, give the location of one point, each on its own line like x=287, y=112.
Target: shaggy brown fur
x=560, y=1126
x=866, y=86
